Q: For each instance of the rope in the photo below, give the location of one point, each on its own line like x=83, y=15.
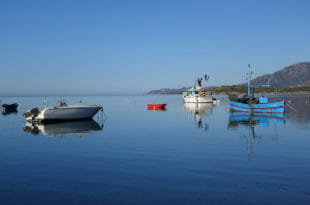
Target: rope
x=105, y=116
x=291, y=107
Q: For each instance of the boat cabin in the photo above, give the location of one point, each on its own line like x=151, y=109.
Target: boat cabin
x=194, y=92
x=263, y=100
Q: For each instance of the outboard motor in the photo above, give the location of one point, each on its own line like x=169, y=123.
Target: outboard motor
x=35, y=112
x=32, y=113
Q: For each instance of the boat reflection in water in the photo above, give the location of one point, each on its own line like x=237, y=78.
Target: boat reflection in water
x=5, y=112
x=79, y=128
x=263, y=120
x=157, y=108
x=199, y=111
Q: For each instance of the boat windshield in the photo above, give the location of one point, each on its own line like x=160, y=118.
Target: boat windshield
x=63, y=104
x=190, y=93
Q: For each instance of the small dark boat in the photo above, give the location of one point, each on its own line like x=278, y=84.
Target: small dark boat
x=156, y=106
x=12, y=108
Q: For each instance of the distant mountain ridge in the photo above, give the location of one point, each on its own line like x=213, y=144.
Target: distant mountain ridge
x=296, y=75
x=170, y=91
x=167, y=91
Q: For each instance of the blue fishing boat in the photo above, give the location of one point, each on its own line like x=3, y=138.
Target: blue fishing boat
x=276, y=107
x=249, y=103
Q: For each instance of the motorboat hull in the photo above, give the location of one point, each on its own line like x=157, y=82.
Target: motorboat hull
x=276, y=107
x=68, y=113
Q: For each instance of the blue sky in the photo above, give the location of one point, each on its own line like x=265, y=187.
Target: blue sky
x=131, y=47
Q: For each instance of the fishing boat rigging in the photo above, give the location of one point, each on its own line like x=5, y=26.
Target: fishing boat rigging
x=249, y=103
x=198, y=94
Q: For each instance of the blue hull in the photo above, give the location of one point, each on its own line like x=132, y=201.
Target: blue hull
x=276, y=107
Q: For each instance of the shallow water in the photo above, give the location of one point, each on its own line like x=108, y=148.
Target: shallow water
x=184, y=155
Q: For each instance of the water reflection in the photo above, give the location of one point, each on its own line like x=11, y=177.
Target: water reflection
x=5, y=112
x=297, y=108
x=263, y=120
x=79, y=128
x=199, y=111
x=156, y=109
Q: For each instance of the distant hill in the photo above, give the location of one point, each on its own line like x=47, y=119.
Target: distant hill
x=291, y=79
x=168, y=91
x=239, y=89
x=297, y=75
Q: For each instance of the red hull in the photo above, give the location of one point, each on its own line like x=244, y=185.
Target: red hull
x=156, y=106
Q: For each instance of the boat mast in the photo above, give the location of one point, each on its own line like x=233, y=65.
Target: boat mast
x=45, y=102
x=249, y=79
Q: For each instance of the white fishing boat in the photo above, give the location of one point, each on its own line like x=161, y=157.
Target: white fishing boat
x=63, y=112
x=197, y=94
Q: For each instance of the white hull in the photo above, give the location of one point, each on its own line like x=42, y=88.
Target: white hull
x=198, y=99
x=73, y=112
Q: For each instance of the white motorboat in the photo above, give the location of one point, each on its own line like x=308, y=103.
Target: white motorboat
x=63, y=112
x=197, y=94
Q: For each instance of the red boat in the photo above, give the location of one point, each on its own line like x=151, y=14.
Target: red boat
x=156, y=106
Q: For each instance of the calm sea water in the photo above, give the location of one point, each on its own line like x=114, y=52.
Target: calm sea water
x=184, y=155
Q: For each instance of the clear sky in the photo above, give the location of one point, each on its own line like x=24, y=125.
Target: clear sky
x=131, y=47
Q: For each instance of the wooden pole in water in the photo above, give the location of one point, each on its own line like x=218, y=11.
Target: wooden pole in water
x=276, y=91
